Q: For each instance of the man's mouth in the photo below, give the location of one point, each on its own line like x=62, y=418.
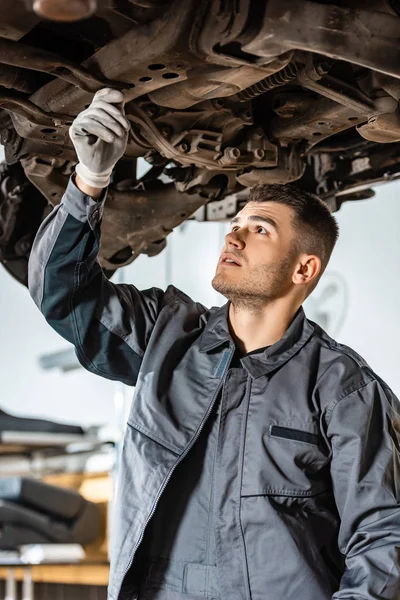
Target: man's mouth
x=230, y=260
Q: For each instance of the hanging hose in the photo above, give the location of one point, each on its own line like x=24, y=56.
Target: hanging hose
x=285, y=75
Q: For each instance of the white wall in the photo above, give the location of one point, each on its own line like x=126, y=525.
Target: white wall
x=80, y=396
x=357, y=300
x=365, y=263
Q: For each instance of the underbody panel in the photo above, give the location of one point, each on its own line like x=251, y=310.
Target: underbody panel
x=221, y=95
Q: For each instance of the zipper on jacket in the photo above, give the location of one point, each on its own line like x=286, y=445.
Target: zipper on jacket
x=188, y=448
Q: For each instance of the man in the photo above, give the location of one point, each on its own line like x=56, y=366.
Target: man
x=261, y=458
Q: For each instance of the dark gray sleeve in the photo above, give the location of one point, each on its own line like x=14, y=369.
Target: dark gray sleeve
x=364, y=432
x=108, y=324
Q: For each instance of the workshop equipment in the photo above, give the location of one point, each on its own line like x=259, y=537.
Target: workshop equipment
x=33, y=512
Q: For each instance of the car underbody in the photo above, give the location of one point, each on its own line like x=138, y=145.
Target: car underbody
x=221, y=95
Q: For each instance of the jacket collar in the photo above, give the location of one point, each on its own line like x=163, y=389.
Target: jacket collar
x=216, y=333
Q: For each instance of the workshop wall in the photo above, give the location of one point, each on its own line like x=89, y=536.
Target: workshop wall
x=359, y=296
x=357, y=301
x=79, y=396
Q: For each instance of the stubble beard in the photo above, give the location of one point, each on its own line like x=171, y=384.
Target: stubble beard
x=261, y=286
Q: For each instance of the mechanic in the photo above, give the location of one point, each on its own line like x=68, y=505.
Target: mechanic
x=261, y=457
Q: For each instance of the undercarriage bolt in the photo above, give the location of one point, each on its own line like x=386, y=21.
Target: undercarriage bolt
x=246, y=115
x=323, y=68
x=231, y=155
x=60, y=10
x=183, y=147
x=259, y=153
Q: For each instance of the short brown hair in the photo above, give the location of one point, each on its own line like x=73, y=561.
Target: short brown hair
x=317, y=230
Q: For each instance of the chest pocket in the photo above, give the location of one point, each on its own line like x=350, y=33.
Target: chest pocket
x=287, y=458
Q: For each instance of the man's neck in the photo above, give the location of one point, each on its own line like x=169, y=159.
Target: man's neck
x=264, y=326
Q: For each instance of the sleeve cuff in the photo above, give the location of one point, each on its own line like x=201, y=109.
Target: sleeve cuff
x=81, y=206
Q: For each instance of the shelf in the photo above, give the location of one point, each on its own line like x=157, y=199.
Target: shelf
x=89, y=574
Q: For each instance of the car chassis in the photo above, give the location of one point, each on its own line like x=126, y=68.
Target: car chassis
x=221, y=95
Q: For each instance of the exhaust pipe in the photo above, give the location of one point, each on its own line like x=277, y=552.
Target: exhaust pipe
x=67, y=12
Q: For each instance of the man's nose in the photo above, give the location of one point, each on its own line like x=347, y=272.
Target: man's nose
x=233, y=238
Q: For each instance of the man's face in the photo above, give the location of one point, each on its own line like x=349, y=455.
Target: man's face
x=261, y=242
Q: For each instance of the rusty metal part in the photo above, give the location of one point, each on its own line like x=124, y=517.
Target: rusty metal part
x=17, y=148
x=198, y=136
x=345, y=174
x=147, y=58
x=64, y=10
x=11, y=198
x=135, y=221
x=49, y=175
x=286, y=75
x=21, y=55
x=184, y=106
x=213, y=82
x=290, y=168
x=17, y=79
x=22, y=208
x=241, y=157
x=208, y=142
x=348, y=140
x=209, y=184
x=222, y=209
x=218, y=28
x=339, y=91
x=19, y=105
x=308, y=74
x=343, y=93
x=390, y=85
x=383, y=129
x=165, y=147
x=312, y=119
x=139, y=221
x=357, y=36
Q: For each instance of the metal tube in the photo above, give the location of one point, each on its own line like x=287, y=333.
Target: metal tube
x=21, y=55
x=17, y=79
x=20, y=105
x=62, y=10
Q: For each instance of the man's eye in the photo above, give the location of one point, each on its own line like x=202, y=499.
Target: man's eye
x=235, y=228
x=261, y=230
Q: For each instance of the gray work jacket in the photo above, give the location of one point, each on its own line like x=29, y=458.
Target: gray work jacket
x=308, y=450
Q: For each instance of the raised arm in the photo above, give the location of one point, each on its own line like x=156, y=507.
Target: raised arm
x=108, y=324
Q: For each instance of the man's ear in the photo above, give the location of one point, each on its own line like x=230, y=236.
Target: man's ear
x=307, y=269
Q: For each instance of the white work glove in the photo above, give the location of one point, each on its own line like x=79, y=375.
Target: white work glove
x=100, y=135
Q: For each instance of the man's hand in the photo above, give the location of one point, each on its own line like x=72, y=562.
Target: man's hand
x=100, y=135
